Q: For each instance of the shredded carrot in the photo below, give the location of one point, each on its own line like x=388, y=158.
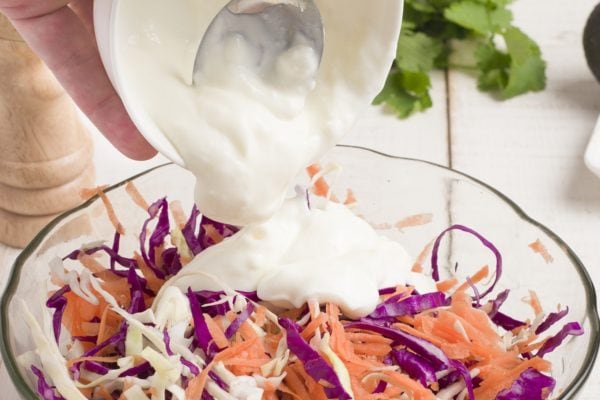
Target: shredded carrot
x=414, y=220
x=445, y=286
x=239, y=361
x=350, y=198
x=534, y=302
x=321, y=187
x=367, y=337
x=372, y=349
x=400, y=290
x=312, y=327
x=74, y=361
x=196, y=385
x=260, y=316
x=90, y=263
x=110, y=211
x=178, y=213
x=475, y=278
x=293, y=381
x=136, y=196
x=216, y=332
x=418, y=264
x=538, y=247
x=154, y=283
x=104, y=393
x=416, y=390
x=213, y=234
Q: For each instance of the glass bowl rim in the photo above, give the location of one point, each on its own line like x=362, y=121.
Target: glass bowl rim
x=592, y=313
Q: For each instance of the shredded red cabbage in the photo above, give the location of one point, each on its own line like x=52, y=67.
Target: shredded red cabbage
x=476, y=294
x=506, y=321
x=400, y=305
x=141, y=371
x=191, y=366
x=203, y=337
x=239, y=320
x=189, y=232
x=136, y=291
x=550, y=320
x=314, y=364
x=171, y=261
x=46, y=391
x=381, y=386
x=155, y=237
x=122, y=261
x=224, y=230
x=115, y=249
x=167, y=341
x=117, y=338
x=417, y=367
x=58, y=302
x=95, y=367
x=531, y=385
x=570, y=329
x=484, y=241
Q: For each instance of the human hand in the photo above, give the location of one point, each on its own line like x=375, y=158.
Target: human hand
x=61, y=33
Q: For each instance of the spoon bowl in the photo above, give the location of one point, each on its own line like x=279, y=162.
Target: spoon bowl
x=268, y=27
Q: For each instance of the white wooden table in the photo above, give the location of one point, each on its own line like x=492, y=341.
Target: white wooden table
x=529, y=148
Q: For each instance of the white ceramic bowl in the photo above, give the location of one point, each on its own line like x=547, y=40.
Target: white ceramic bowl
x=105, y=12
x=114, y=32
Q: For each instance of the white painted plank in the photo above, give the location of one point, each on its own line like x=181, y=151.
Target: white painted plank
x=422, y=136
x=531, y=148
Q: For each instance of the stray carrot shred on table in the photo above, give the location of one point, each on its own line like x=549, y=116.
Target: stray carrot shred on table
x=414, y=220
x=538, y=247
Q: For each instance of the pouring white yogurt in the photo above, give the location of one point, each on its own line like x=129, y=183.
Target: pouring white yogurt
x=246, y=128
x=323, y=253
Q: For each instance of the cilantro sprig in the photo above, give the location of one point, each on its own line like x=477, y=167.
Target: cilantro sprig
x=507, y=62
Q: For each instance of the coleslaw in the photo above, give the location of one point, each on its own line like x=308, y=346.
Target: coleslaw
x=104, y=336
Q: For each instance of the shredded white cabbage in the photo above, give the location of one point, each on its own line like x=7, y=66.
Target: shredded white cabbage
x=53, y=363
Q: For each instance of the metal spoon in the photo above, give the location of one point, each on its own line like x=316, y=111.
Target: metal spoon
x=271, y=26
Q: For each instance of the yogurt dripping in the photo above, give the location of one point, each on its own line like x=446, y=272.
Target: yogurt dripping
x=247, y=128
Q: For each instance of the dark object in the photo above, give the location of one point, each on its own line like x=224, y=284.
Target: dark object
x=591, y=42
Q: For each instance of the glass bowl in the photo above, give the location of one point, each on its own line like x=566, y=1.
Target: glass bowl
x=388, y=190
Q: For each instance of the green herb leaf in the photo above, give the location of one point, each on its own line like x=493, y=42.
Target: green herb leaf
x=437, y=33
x=493, y=68
x=405, y=93
x=417, y=51
x=527, y=68
x=478, y=17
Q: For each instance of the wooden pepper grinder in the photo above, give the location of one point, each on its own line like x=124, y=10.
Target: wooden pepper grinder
x=45, y=151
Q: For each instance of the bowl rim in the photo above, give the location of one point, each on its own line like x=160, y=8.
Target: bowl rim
x=569, y=392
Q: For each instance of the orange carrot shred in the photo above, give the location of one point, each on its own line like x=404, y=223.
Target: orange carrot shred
x=418, y=264
x=534, y=302
x=110, y=211
x=320, y=188
x=74, y=361
x=213, y=234
x=178, y=213
x=154, y=283
x=136, y=196
x=350, y=198
x=475, y=278
x=414, y=220
x=538, y=247
x=444, y=286
x=216, y=332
